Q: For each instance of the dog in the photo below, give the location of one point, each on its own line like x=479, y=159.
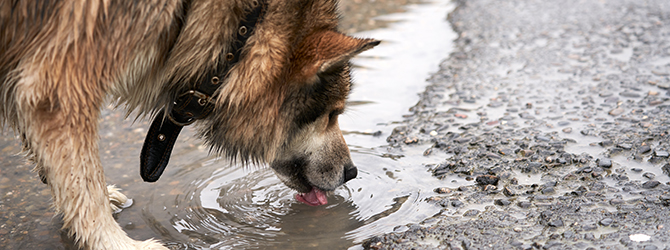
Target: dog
x=276, y=75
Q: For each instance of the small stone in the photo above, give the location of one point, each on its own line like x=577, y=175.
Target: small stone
x=542, y=138
x=629, y=94
x=567, y=130
x=556, y=223
x=548, y=190
x=649, y=175
x=487, y=180
x=471, y=212
x=442, y=190
x=661, y=153
x=411, y=140
x=616, y=201
x=589, y=236
x=606, y=222
x=518, y=229
x=604, y=163
x=644, y=149
x=524, y=204
x=526, y=152
x=616, y=111
x=660, y=72
x=626, y=146
x=508, y=191
x=456, y=203
x=462, y=116
x=502, y=202
x=650, y=184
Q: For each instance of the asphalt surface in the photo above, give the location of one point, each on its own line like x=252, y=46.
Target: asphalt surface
x=554, y=116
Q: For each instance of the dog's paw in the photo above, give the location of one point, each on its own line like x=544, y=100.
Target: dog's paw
x=150, y=245
x=117, y=200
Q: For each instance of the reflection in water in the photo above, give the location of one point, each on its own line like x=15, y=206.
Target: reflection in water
x=200, y=205
x=236, y=208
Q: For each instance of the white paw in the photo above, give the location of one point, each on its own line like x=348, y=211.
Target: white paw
x=117, y=200
x=150, y=245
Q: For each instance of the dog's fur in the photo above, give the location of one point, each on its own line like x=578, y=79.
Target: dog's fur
x=61, y=60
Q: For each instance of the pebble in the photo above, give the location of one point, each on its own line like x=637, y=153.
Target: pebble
x=644, y=149
x=556, y=223
x=524, y=204
x=502, y=202
x=442, y=190
x=508, y=191
x=661, y=153
x=471, y=212
x=606, y=222
x=604, y=163
x=487, y=180
x=649, y=175
x=650, y=184
x=616, y=111
x=629, y=94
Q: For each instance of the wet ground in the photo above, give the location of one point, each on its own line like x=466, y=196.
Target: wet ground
x=546, y=127
x=201, y=202
x=554, y=116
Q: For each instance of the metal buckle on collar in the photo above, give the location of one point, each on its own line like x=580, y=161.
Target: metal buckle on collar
x=187, y=112
x=189, y=121
x=203, y=99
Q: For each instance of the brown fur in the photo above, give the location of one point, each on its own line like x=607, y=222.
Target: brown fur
x=61, y=60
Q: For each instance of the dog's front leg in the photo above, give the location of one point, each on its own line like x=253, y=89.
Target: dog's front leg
x=59, y=128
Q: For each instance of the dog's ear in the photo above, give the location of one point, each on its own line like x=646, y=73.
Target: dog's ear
x=325, y=50
x=336, y=49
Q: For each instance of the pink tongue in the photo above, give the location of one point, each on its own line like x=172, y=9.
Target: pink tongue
x=316, y=197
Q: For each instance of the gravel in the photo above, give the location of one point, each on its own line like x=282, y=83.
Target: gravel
x=522, y=70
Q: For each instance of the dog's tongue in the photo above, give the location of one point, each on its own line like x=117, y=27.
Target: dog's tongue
x=316, y=197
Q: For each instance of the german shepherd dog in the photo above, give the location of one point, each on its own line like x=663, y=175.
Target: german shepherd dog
x=281, y=81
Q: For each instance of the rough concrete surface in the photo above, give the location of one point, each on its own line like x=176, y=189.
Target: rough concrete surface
x=554, y=116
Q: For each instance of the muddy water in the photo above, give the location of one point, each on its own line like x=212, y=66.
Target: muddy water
x=202, y=202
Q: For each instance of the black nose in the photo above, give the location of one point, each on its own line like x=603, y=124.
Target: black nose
x=350, y=173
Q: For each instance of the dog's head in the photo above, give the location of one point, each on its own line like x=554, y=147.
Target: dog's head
x=315, y=158
x=281, y=102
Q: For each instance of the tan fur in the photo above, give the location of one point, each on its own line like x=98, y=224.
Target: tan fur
x=61, y=60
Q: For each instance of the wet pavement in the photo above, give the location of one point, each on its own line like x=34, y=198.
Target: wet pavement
x=554, y=118
x=202, y=202
x=545, y=128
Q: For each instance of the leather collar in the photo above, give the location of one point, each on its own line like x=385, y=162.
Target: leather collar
x=194, y=104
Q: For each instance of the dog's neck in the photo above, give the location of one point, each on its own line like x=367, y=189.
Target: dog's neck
x=197, y=102
x=193, y=104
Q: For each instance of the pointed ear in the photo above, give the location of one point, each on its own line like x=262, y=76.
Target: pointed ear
x=336, y=49
x=324, y=50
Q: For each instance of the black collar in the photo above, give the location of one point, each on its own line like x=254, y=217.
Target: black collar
x=193, y=104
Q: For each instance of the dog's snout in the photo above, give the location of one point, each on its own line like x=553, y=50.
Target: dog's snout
x=350, y=172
